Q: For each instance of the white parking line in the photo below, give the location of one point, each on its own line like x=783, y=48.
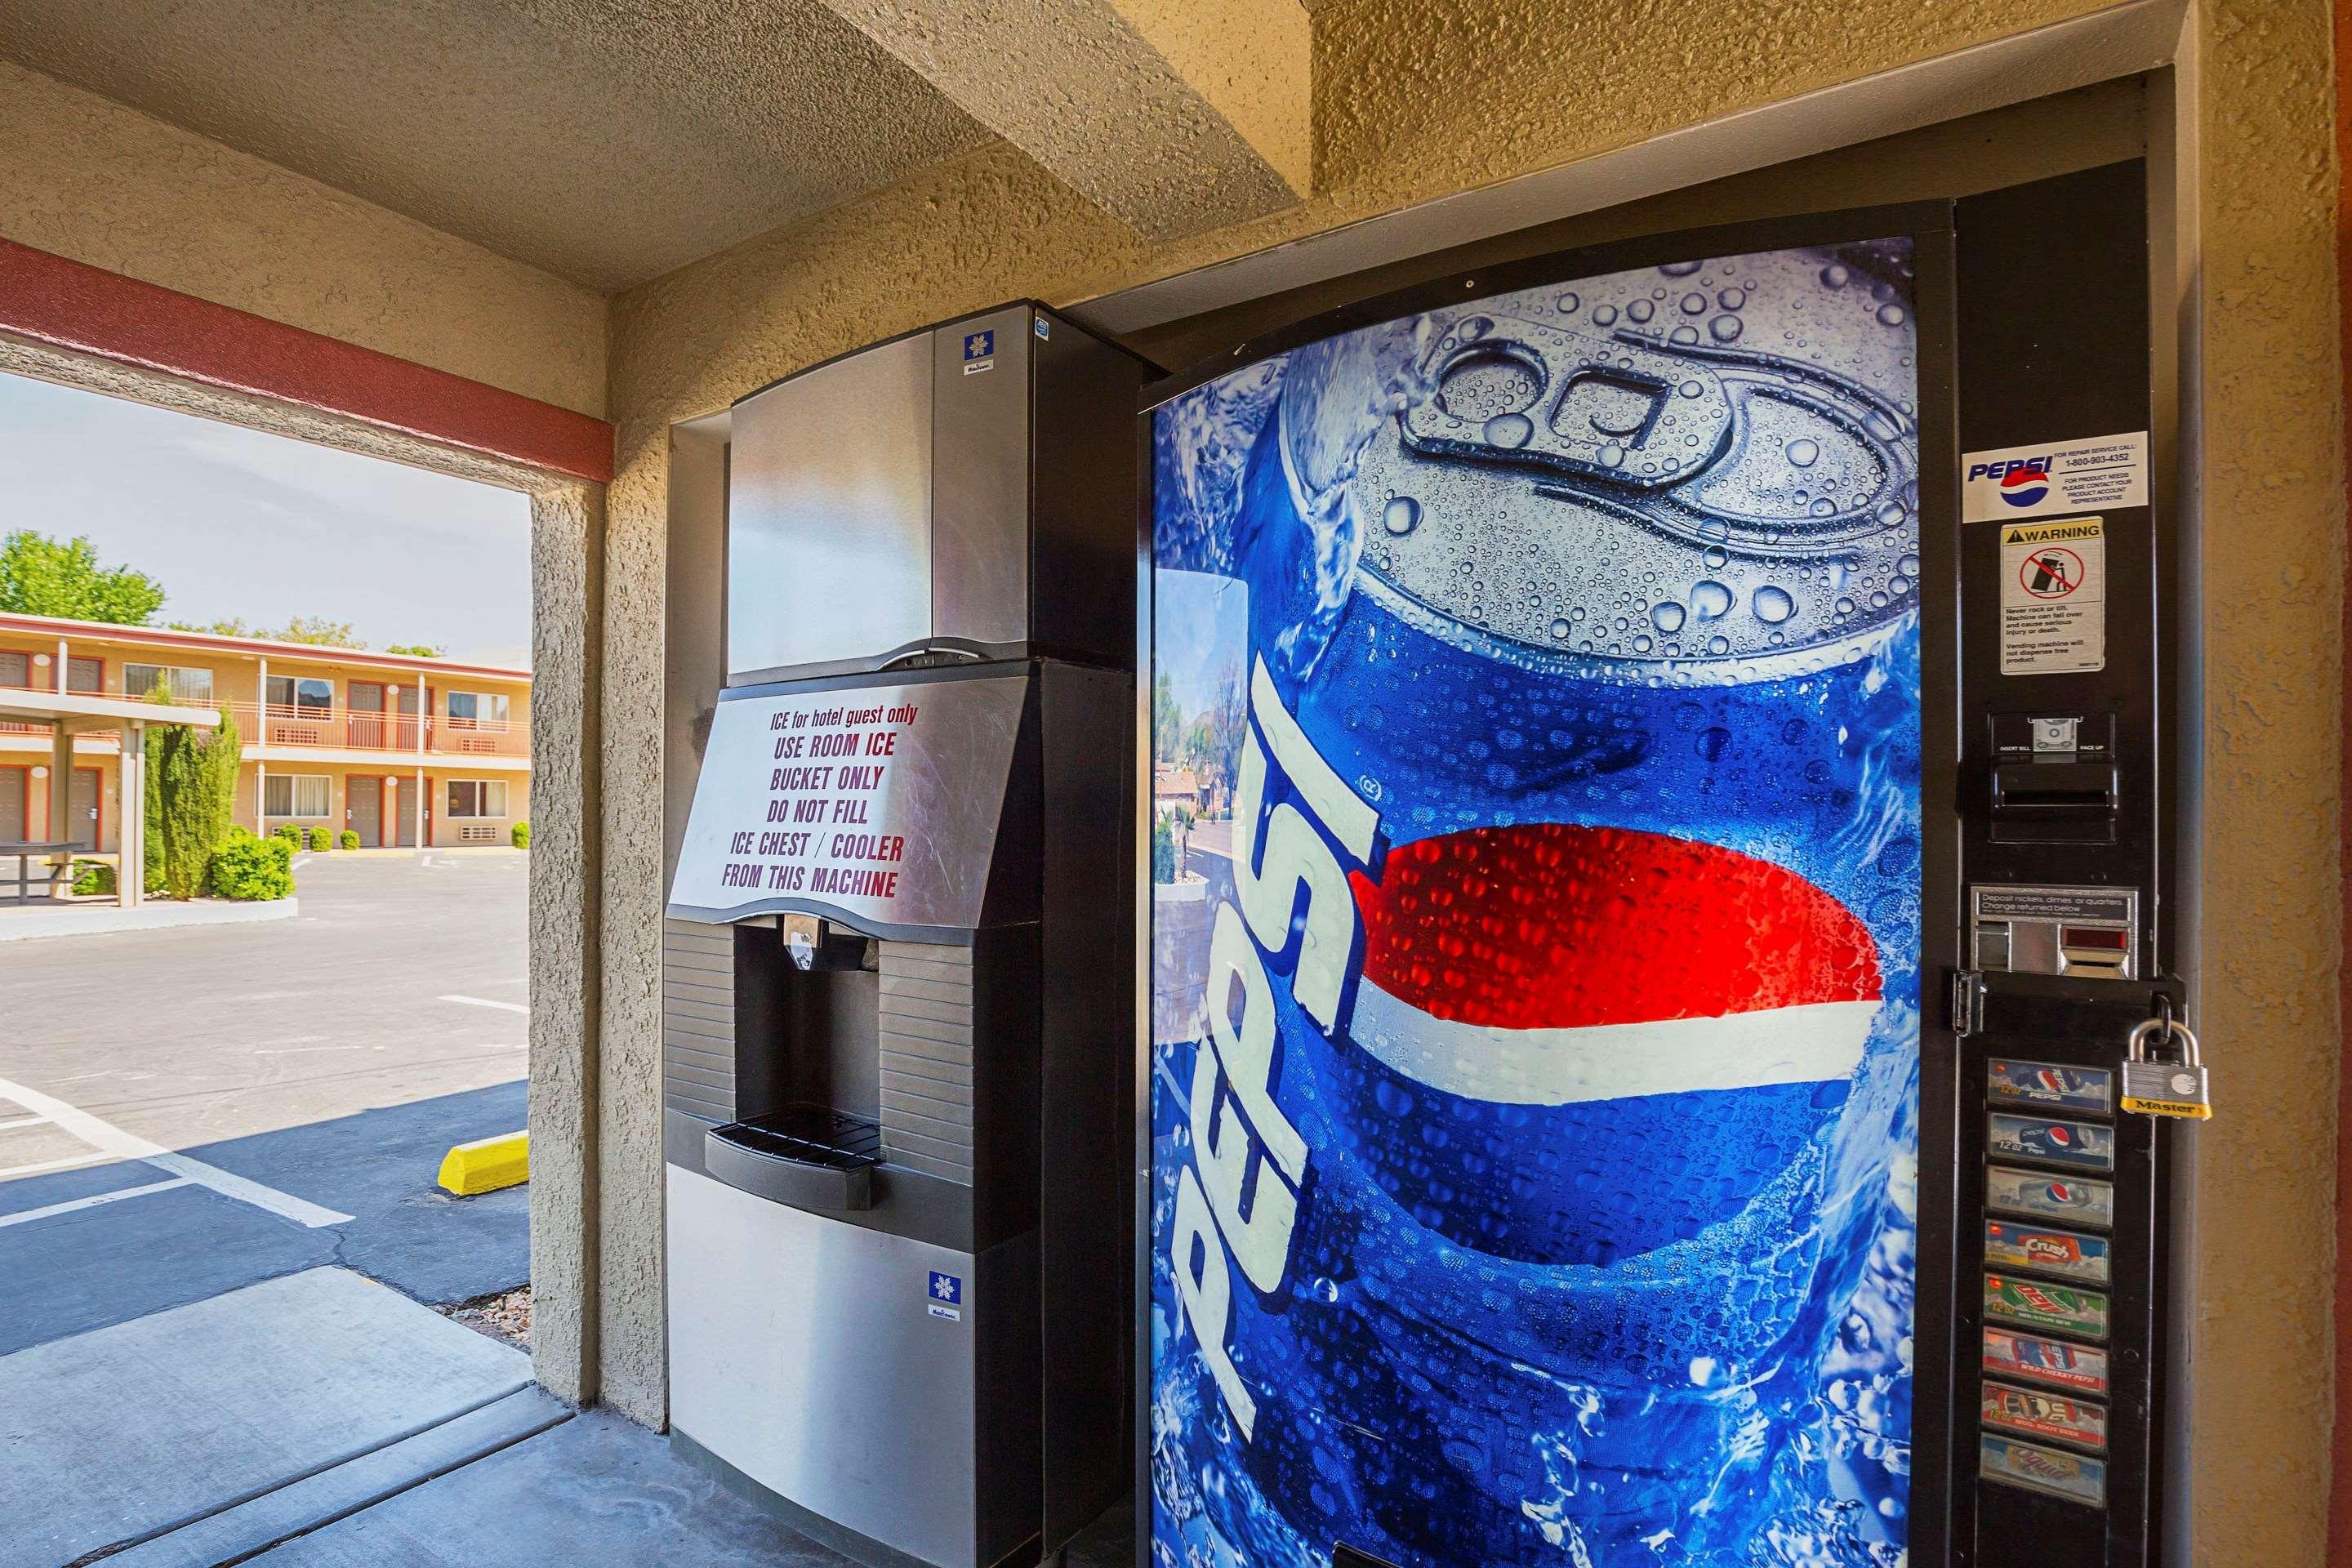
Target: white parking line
x=113, y=1141
x=8, y=1219
x=23, y=1121
x=92, y=1158
x=486, y=1002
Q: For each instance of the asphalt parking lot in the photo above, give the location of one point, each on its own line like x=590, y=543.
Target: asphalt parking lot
x=187, y=1112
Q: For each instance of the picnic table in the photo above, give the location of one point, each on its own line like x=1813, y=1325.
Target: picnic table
x=27, y=853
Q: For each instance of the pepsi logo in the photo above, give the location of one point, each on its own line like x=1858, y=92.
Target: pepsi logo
x=2024, y=487
x=1547, y=964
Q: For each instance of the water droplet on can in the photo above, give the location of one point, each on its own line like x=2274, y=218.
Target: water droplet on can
x=1683, y=335
x=1666, y=615
x=1805, y=453
x=1611, y=456
x=1694, y=303
x=1603, y=315
x=1401, y=516
x=1724, y=329
x=1690, y=388
x=1510, y=431
x=1772, y=605
x=1715, y=556
x=1835, y=277
x=1559, y=630
x=1641, y=309
x=1823, y=506
x=1567, y=304
x=1890, y=315
x=1709, y=599
x=1731, y=299
x=1681, y=269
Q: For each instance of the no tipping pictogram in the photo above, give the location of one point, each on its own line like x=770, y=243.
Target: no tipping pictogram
x=2051, y=572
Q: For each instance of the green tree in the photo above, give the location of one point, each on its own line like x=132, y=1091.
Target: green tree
x=191, y=799
x=317, y=630
x=416, y=649
x=1167, y=720
x=42, y=577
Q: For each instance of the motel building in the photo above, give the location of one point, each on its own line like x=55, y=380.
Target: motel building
x=332, y=736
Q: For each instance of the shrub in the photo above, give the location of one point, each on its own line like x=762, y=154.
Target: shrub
x=191, y=794
x=92, y=876
x=521, y=834
x=347, y=840
x=1163, y=851
x=290, y=832
x=249, y=868
x=322, y=838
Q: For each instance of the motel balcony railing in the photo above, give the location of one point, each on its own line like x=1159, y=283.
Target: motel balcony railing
x=347, y=728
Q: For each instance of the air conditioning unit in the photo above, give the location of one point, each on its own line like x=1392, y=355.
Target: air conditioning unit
x=476, y=833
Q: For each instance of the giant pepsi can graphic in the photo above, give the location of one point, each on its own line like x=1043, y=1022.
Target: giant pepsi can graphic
x=1535, y=930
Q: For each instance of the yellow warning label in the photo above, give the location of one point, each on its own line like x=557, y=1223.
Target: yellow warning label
x=2187, y=1110
x=2051, y=533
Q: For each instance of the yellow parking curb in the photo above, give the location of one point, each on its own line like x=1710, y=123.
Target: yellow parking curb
x=486, y=1164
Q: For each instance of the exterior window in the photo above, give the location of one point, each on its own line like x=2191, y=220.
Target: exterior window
x=193, y=686
x=303, y=696
x=477, y=711
x=297, y=795
x=478, y=797
x=85, y=674
x=15, y=670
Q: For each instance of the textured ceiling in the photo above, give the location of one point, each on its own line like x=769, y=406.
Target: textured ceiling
x=606, y=140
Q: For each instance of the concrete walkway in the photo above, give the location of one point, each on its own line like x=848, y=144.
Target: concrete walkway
x=126, y=1433
x=319, y=1420
x=23, y=922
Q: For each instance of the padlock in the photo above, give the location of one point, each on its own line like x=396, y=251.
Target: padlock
x=2166, y=1088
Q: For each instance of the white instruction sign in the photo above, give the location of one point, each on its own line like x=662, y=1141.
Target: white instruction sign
x=2053, y=597
x=2101, y=473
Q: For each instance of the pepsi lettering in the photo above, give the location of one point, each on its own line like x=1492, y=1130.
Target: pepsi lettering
x=1536, y=996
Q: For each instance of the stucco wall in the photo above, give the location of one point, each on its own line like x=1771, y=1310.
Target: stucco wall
x=1417, y=100
x=2273, y=933
x=86, y=178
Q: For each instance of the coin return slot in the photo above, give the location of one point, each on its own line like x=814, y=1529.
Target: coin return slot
x=2096, y=951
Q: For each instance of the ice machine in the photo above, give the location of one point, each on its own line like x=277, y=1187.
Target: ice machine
x=897, y=986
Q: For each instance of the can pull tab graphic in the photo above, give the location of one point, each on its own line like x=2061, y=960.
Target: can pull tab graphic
x=2154, y=1087
x=1587, y=405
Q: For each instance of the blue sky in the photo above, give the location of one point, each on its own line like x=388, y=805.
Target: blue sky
x=238, y=524
x=1199, y=622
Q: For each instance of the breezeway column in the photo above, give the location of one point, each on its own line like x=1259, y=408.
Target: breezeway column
x=60, y=792
x=130, y=868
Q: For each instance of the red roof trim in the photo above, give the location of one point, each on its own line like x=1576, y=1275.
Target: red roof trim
x=314, y=653
x=88, y=309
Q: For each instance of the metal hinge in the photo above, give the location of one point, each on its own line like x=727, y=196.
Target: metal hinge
x=1967, y=1003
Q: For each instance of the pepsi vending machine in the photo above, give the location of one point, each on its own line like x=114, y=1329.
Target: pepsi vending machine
x=1656, y=860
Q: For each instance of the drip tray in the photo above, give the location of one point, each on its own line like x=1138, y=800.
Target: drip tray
x=809, y=1156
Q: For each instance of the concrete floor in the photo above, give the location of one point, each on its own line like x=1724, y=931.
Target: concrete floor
x=298, y=1082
